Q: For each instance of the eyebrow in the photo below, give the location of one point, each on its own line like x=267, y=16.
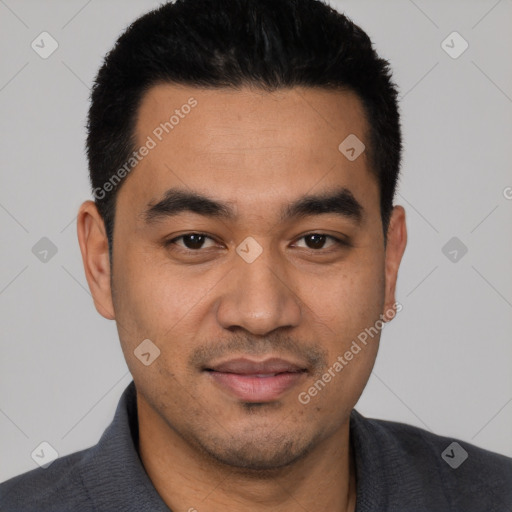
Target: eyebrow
x=340, y=202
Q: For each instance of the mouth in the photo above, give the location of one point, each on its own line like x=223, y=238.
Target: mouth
x=256, y=381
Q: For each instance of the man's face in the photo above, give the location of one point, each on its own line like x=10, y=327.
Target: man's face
x=265, y=280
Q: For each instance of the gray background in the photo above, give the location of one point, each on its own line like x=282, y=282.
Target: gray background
x=445, y=361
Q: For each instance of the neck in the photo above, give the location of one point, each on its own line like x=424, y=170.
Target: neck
x=187, y=479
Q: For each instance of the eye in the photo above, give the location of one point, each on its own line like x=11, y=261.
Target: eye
x=316, y=241
x=194, y=242
x=191, y=241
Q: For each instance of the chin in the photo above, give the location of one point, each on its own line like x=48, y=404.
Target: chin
x=251, y=453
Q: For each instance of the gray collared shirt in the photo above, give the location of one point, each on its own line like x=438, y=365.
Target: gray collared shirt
x=399, y=468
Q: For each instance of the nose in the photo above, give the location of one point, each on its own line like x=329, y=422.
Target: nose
x=260, y=297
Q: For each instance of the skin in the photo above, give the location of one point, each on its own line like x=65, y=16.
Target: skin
x=256, y=151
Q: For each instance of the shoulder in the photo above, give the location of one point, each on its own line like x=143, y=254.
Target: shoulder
x=452, y=452
x=458, y=473
x=57, y=487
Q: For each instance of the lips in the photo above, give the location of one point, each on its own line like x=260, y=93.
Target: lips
x=256, y=381
x=244, y=366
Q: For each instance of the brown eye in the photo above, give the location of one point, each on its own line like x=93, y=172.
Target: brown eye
x=191, y=241
x=317, y=241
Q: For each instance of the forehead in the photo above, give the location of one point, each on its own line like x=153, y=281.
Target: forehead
x=247, y=144
x=246, y=112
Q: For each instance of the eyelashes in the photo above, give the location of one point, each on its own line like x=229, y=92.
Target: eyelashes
x=194, y=242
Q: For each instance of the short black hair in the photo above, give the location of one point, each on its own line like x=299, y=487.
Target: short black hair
x=268, y=44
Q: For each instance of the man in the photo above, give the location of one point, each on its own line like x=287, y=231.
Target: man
x=243, y=157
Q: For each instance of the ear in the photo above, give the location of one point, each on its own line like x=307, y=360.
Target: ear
x=93, y=242
x=396, y=243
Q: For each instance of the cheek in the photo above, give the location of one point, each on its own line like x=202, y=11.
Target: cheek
x=349, y=304
x=350, y=298
x=365, y=294
x=149, y=304
x=144, y=299
x=157, y=300
x=351, y=310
